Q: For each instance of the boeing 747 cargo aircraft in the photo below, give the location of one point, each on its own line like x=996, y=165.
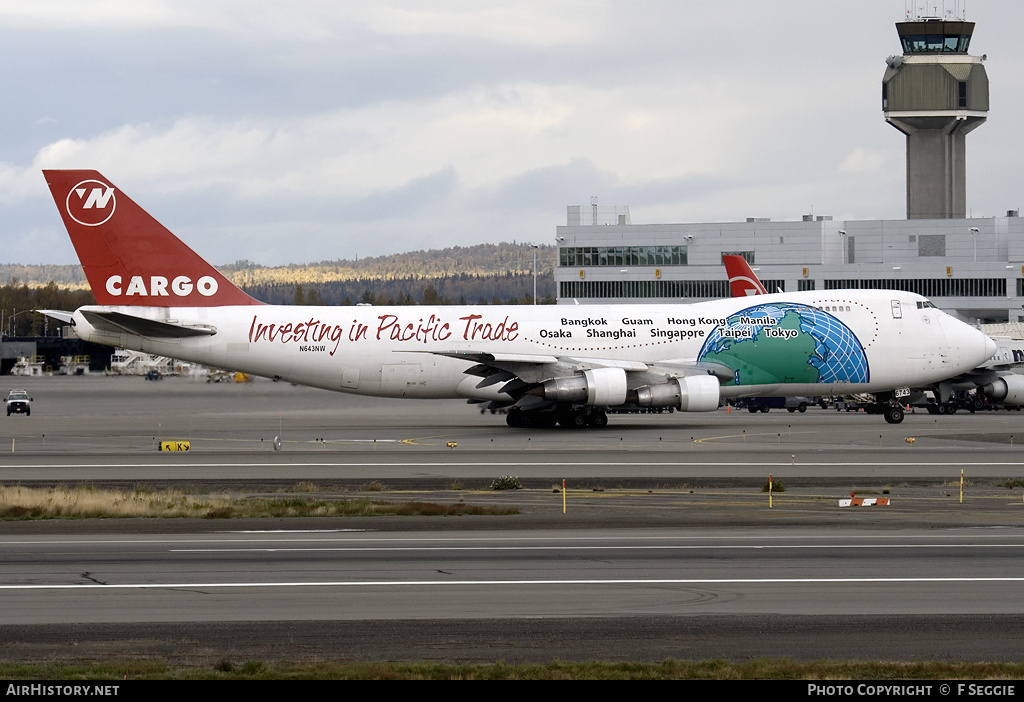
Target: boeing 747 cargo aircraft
x=549, y=365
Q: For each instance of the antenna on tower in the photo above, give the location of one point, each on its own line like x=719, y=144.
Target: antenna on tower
x=923, y=11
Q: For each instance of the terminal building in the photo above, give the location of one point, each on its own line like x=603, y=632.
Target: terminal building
x=934, y=93
x=972, y=268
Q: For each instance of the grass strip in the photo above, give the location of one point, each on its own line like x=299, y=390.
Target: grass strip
x=670, y=669
x=85, y=502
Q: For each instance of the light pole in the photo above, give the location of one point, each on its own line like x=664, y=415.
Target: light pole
x=974, y=233
x=535, y=247
x=12, y=323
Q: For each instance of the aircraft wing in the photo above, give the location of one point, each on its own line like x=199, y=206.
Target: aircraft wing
x=677, y=369
x=488, y=358
x=598, y=382
x=534, y=368
x=536, y=380
x=121, y=322
x=545, y=366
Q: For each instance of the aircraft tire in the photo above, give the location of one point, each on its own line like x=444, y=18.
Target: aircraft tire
x=894, y=415
x=576, y=420
x=598, y=420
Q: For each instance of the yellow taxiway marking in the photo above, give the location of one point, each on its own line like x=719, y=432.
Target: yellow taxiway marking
x=745, y=436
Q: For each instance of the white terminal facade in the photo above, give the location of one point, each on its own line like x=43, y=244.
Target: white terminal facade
x=972, y=268
x=934, y=93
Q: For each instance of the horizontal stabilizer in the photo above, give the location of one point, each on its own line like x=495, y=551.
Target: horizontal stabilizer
x=59, y=315
x=121, y=322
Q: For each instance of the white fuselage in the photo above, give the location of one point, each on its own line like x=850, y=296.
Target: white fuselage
x=791, y=344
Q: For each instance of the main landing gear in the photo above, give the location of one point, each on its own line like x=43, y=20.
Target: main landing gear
x=574, y=418
x=888, y=406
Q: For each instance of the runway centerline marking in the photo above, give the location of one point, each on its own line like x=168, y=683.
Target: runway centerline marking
x=367, y=540
x=628, y=547
x=454, y=583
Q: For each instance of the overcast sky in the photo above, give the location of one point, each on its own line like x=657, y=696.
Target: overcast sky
x=291, y=132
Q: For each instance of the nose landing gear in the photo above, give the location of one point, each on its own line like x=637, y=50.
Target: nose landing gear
x=893, y=414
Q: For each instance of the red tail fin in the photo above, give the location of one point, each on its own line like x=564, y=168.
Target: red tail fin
x=742, y=281
x=129, y=257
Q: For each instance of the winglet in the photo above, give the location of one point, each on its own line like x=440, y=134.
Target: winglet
x=742, y=280
x=129, y=257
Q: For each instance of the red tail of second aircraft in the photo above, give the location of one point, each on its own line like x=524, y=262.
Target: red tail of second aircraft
x=742, y=280
x=129, y=257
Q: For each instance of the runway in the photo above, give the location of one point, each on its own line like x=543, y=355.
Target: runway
x=358, y=575
x=668, y=548
x=514, y=595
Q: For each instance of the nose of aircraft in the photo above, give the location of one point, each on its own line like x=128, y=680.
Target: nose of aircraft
x=990, y=347
x=977, y=347
x=971, y=346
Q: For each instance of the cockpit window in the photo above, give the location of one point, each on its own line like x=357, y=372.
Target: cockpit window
x=926, y=305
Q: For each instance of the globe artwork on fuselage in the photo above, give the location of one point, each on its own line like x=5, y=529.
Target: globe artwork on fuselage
x=786, y=343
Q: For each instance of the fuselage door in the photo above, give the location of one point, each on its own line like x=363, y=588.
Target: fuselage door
x=897, y=311
x=350, y=378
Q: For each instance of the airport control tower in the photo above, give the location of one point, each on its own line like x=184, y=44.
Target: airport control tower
x=935, y=93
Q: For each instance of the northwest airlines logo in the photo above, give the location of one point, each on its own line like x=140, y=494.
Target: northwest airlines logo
x=91, y=203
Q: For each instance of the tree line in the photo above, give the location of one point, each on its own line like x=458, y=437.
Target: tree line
x=18, y=300
x=461, y=289
x=481, y=259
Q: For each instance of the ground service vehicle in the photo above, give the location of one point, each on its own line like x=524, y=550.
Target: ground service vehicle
x=18, y=402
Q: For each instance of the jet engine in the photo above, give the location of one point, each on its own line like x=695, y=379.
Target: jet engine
x=599, y=386
x=1008, y=389
x=693, y=393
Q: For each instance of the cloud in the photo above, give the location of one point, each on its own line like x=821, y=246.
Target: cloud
x=394, y=123
x=520, y=23
x=867, y=162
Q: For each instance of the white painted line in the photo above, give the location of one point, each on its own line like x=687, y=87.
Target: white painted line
x=368, y=542
x=665, y=547
x=526, y=462
x=455, y=583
